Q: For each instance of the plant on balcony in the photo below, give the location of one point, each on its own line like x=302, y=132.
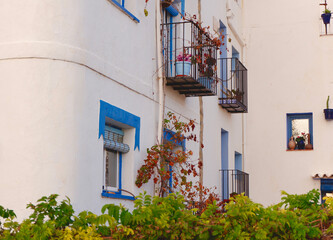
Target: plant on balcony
x=237, y=94
x=166, y=3
x=233, y=94
x=328, y=111
x=326, y=16
x=204, y=45
x=183, y=64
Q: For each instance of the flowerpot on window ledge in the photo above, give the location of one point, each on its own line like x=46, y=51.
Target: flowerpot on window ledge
x=301, y=144
x=328, y=113
x=309, y=145
x=292, y=143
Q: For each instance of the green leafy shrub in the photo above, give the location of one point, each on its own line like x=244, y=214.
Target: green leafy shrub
x=6, y=213
x=48, y=207
x=157, y=218
x=309, y=200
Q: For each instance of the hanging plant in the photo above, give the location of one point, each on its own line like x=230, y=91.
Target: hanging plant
x=326, y=16
x=328, y=111
x=166, y=3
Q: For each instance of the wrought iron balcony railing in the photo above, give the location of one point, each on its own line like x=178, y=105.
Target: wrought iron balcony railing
x=233, y=85
x=190, y=59
x=234, y=181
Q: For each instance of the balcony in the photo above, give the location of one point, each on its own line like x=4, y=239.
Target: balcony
x=234, y=181
x=233, y=85
x=190, y=56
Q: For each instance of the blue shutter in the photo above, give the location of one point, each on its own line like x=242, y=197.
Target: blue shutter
x=326, y=185
x=113, y=140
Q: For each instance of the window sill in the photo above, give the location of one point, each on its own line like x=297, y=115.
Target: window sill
x=124, y=10
x=118, y=195
x=298, y=150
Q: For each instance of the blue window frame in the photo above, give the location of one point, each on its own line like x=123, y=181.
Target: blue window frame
x=113, y=171
x=326, y=187
x=238, y=161
x=121, y=5
x=235, y=54
x=114, y=147
x=168, y=136
x=298, y=123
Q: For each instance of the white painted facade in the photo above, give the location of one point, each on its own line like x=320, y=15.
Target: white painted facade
x=290, y=66
x=58, y=59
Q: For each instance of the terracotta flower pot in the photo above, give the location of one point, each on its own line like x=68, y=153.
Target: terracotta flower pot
x=292, y=143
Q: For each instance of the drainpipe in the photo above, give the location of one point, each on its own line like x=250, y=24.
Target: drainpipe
x=160, y=78
x=201, y=127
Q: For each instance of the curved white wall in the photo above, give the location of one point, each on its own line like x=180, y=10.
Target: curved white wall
x=58, y=59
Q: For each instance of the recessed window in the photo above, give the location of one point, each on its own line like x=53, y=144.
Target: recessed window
x=121, y=131
x=300, y=130
x=113, y=150
x=326, y=188
x=168, y=136
x=111, y=170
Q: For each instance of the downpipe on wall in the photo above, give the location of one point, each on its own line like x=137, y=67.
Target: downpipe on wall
x=160, y=78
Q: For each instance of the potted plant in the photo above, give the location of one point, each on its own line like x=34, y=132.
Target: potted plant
x=326, y=16
x=166, y=3
x=237, y=94
x=300, y=140
x=328, y=111
x=183, y=64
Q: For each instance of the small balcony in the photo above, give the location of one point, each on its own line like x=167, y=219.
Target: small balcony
x=234, y=181
x=233, y=85
x=190, y=59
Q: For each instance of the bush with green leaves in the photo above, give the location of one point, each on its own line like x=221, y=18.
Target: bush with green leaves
x=168, y=218
x=157, y=218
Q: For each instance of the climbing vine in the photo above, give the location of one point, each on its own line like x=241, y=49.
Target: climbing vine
x=170, y=166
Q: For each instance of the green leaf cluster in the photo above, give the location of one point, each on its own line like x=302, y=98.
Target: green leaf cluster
x=157, y=218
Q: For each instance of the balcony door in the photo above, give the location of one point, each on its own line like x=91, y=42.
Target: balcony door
x=238, y=161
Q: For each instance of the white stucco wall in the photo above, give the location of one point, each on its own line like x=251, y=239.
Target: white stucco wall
x=58, y=59
x=289, y=72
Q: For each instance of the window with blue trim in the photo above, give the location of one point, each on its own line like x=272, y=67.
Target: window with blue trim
x=122, y=5
x=121, y=2
x=114, y=124
x=300, y=129
x=326, y=188
x=168, y=136
x=114, y=148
